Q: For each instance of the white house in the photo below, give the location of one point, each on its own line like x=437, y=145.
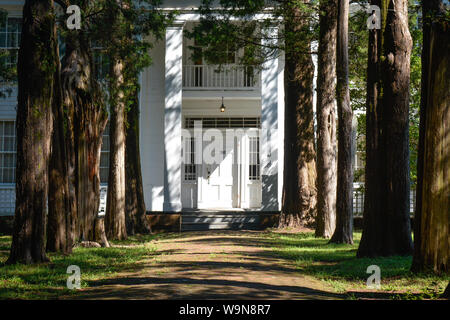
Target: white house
x=180, y=120
x=195, y=155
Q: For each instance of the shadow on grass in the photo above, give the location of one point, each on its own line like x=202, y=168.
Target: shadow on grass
x=338, y=264
x=49, y=280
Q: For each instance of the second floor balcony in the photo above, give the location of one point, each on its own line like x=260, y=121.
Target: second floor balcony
x=224, y=77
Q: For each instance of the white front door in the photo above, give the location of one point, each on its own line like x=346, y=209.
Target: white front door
x=217, y=179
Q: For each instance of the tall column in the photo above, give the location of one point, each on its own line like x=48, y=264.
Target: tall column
x=172, y=117
x=269, y=127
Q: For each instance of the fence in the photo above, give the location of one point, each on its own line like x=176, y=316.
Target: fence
x=358, y=201
x=8, y=200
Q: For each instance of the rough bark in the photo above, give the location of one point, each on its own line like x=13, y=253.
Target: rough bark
x=87, y=120
x=36, y=69
x=59, y=232
x=100, y=233
x=431, y=236
x=299, y=188
x=136, y=220
x=344, y=206
x=115, y=204
x=371, y=221
x=387, y=229
x=326, y=121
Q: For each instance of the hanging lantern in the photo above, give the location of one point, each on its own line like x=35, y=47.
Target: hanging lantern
x=222, y=107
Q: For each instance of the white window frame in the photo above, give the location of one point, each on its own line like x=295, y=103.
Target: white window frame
x=188, y=152
x=105, y=154
x=254, y=158
x=7, y=33
x=2, y=152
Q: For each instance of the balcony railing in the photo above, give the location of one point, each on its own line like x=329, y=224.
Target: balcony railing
x=210, y=77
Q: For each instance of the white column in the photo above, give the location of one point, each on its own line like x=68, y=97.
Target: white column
x=172, y=118
x=269, y=127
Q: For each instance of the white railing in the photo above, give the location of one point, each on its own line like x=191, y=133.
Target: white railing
x=358, y=201
x=202, y=77
x=8, y=200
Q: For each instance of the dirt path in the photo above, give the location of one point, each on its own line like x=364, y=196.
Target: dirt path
x=212, y=265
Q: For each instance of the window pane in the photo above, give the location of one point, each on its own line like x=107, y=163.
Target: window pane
x=8, y=144
x=3, y=25
x=7, y=152
x=8, y=175
x=2, y=39
x=14, y=25
x=9, y=160
x=104, y=175
x=9, y=128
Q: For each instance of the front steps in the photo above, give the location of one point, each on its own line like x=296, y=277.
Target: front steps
x=220, y=220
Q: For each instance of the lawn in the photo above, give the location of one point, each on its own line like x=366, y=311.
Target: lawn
x=48, y=281
x=337, y=265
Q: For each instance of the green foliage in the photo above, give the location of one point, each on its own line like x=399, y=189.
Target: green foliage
x=358, y=40
x=218, y=29
x=415, y=27
x=122, y=30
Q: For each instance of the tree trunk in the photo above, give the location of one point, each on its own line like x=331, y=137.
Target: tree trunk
x=115, y=206
x=87, y=121
x=432, y=215
x=344, y=209
x=59, y=232
x=391, y=232
x=373, y=190
x=36, y=70
x=299, y=187
x=136, y=220
x=395, y=128
x=446, y=293
x=326, y=121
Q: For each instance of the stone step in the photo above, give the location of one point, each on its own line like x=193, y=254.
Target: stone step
x=219, y=226
x=219, y=221
x=212, y=219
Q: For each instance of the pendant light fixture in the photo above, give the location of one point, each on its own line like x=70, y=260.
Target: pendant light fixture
x=222, y=107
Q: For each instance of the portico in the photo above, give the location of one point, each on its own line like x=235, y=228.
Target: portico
x=193, y=155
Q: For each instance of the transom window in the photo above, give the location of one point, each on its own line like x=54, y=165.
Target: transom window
x=190, y=169
x=209, y=123
x=254, y=164
x=7, y=152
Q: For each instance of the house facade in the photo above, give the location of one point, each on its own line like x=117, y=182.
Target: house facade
x=210, y=137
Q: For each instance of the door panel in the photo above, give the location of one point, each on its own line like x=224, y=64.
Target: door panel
x=217, y=180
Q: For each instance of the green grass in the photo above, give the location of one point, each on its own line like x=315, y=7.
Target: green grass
x=48, y=281
x=337, y=265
